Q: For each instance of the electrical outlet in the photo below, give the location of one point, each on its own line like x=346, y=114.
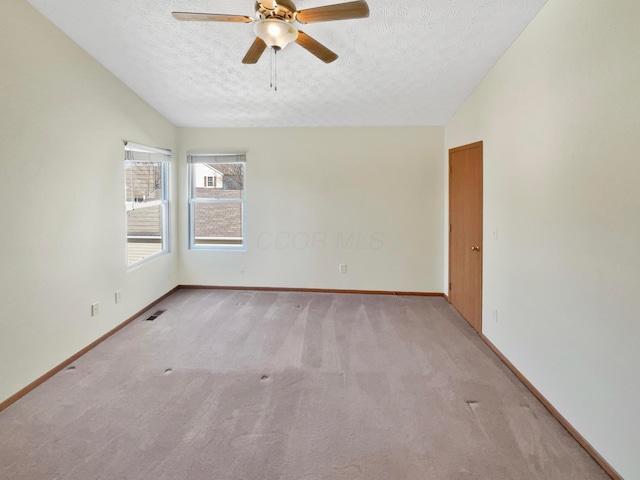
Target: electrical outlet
x=118, y=296
x=342, y=268
x=494, y=314
x=95, y=309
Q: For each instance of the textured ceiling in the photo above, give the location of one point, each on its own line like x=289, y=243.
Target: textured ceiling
x=412, y=62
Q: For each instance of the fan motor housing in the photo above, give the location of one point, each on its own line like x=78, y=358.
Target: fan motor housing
x=285, y=10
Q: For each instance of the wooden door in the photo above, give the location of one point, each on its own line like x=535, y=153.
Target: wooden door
x=465, y=232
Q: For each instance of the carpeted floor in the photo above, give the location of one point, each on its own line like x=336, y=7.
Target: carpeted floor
x=303, y=386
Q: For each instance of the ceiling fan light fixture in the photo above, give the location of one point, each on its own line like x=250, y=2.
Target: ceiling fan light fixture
x=276, y=33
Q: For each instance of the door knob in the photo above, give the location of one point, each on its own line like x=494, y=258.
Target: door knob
x=475, y=249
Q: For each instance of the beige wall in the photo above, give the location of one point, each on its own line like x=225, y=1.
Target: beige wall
x=371, y=198
x=63, y=119
x=560, y=119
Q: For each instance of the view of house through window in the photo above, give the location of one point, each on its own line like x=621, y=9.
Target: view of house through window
x=147, y=201
x=216, y=200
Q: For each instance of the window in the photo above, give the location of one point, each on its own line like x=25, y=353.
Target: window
x=147, y=201
x=216, y=208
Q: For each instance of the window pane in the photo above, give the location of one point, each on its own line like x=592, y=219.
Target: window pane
x=144, y=232
x=143, y=181
x=218, y=180
x=218, y=223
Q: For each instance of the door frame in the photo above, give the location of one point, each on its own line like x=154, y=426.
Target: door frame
x=451, y=151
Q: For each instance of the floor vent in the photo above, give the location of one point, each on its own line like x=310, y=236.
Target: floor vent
x=155, y=315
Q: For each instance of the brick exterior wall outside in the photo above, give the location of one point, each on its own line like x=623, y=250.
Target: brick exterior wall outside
x=218, y=219
x=218, y=193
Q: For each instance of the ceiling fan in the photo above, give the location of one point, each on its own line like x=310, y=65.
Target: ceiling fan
x=274, y=25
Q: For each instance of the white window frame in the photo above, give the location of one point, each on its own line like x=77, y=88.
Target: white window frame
x=142, y=154
x=210, y=157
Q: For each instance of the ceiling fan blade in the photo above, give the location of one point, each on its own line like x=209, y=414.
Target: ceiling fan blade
x=255, y=51
x=315, y=47
x=210, y=17
x=340, y=11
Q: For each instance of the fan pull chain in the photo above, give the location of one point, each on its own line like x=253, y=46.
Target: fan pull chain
x=271, y=54
x=273, y=69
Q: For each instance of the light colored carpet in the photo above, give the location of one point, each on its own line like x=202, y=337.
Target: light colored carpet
x=302, y=386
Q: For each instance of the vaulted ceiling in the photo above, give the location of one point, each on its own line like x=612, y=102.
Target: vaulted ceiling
x=412, y=62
